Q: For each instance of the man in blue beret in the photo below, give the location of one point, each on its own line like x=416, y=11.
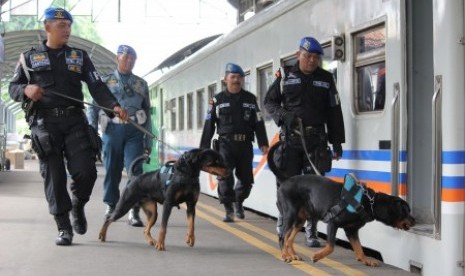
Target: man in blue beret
x=309, y=96
x=235, y=114
x=59, y=128
x=122, y=143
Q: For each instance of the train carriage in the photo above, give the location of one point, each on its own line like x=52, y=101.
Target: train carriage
x=399, y=68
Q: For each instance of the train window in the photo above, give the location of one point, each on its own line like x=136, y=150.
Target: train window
x=201, y=103
x=265, y=79
x=172, y=109
x=181, y=112
x=370, y=69
x=247, y=85
x=211, y=91
x=328, y=63
x=190, y=110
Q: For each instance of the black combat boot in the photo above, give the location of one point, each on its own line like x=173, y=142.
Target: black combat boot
x=79, y=217
x=65, y=231
x=229, y=217
x=311, y=237
x=134, y=218
x=239, y=210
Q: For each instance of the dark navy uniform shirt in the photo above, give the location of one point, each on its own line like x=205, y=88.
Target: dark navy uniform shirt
x=60, y=70
x=234, y=114
x=313, y=98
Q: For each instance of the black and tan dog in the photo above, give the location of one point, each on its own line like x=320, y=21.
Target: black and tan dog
x=311, y=196
x=179, y=185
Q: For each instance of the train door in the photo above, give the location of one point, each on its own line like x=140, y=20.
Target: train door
x=423, y=144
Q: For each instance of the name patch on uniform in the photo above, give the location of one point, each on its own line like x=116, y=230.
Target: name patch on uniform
x=321, y=84
x=75, y=68
x=39, y=60
x=74, y=57
x=223, y=105
x=292, y=81
x=248, y=105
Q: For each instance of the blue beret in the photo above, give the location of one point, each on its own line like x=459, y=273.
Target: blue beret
x=125, y=49
x=311, y=45
x=234, y=68
x=57, y=13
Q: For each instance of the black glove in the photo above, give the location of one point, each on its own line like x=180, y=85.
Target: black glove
x=289, y=120
x=337, y=149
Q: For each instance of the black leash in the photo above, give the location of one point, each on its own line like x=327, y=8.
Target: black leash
x=300, y=132
x=139, y=127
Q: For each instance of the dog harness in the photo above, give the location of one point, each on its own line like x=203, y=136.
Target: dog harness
x=351, y=199
x=167, y=172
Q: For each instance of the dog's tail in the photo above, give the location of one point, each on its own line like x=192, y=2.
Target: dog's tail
x=135, y=162
x=280, y=175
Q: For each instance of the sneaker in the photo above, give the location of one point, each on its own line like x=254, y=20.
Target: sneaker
x=65, y=237
x=134, y=218
x=312, y=242
x=110, y=209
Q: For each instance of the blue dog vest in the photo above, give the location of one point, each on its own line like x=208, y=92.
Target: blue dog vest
x=351, y=198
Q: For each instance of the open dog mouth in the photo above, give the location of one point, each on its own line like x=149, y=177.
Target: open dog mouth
x=218, y=171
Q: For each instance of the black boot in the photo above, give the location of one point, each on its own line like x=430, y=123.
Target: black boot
x=134, y=218
x=229, y=217
x=239, y=210
x=79, y=217
x=311, y=237
x=65, y=231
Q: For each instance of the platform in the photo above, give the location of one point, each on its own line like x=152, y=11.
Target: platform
x=246, y=247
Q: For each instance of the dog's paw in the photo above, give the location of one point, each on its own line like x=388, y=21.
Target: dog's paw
x=190, y=240
x=102, y=237
x=370, y=262
x=316, y=257
x=160, y=246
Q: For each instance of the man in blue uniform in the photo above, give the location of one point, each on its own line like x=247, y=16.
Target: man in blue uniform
x=59, y=128
x=308, y=96
x=123, y=142
x=235, y=114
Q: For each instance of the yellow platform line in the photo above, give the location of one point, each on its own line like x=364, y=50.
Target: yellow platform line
x=273, y=251
x=272, y=236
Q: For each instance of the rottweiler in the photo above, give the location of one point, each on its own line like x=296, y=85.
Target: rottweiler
x=305, y=197
x=170, y=187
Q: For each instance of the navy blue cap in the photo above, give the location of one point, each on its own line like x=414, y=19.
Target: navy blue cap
x=311, y=45
x=234, y=68
x=126, y=49
x=57, y=13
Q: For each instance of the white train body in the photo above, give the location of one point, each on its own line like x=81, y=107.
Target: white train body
x=410, y=144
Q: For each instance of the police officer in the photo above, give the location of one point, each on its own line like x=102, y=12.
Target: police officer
x=59, y=128
x=308, y=109
x=235, y=114
x=122, y=142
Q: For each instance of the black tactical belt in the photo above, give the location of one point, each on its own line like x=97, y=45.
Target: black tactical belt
x=236, y=137
x=311, y=130
x=59, y=112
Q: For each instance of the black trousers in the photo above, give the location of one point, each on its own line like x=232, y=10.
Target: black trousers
x=72, y=152
x=238, y=157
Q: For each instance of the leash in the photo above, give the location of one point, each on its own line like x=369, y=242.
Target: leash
x=139, y=127
x=300, y=132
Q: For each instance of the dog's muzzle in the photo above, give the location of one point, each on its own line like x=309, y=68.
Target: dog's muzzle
x=218, y=171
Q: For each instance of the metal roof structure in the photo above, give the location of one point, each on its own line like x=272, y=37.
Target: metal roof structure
x=20, y=41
